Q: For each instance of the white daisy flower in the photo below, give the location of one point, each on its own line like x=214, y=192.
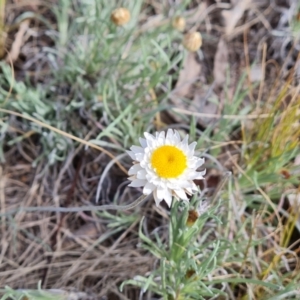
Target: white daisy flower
x=166, y=166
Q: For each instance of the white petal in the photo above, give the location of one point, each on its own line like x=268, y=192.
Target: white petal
x=161, y=142
x=141, y=174
x=176, y=136
x=151, y=143
x=161, y=135
x=157, y=201
x=139, y=156
x=143, y=142
x=137, y=149
x=200, y=162
x=185, y=140
x=185, y=184
x=137, y=183
x=131, y=154
x=148, y=136
x=192, y=147
x=181, y=194
x=189, y=191
x=134, y=169
x=148, y=188
x=184, y=145
x=161, y=193
x=168, y=198
x=192, y=175
x=194, y=187
x=147, y=150
x=169, y=134
x=144, y=164
x=201, y=174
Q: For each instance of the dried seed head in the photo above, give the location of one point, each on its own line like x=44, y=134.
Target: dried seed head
x=286, y=174
x=191, y=275
x=178, y=23
x=120, y=16
x=192, y=217
x=192, y=41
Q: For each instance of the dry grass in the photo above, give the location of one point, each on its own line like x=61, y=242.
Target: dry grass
x=77, y=250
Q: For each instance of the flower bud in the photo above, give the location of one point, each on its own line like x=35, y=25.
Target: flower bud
x=178, y=23
x=190, y=273
x=120, y=16
x=193, y=216
x=192, y=41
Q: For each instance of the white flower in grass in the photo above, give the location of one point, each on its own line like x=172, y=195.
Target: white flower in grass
x=166, y=166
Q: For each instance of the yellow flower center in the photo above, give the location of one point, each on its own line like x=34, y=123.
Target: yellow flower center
x=168, y=161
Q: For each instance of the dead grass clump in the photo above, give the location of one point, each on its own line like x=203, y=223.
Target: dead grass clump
x=80, y=250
